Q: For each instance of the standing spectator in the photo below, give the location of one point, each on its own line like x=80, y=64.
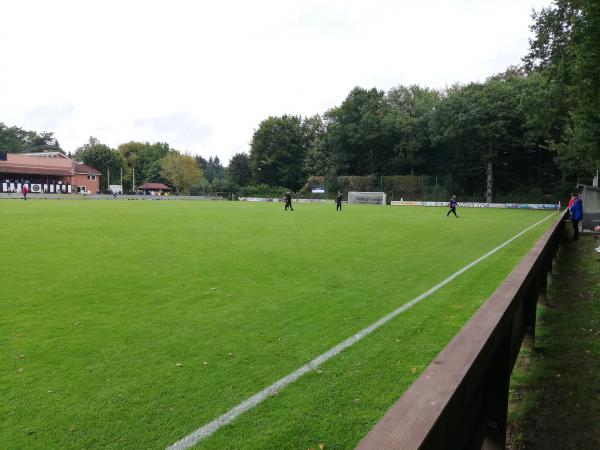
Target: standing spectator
x=25, y=190
x=576, y=215
x=338, y=201
x=452, y=204
x=288, y=201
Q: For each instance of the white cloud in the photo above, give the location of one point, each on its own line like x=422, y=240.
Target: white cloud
x=47, y=117
x=176, y=129
x=212, y=71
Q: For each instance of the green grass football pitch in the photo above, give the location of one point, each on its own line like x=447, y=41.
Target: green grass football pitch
x=130, y=324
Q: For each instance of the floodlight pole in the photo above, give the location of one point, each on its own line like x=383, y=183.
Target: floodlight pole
x=133, y=182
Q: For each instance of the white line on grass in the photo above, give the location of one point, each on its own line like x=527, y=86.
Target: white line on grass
x=209, y=428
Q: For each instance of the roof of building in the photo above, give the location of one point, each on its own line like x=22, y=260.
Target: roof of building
x=25, y=164
x=31, y=164
x=151, y=186
x=47, y=154
x=84, y=169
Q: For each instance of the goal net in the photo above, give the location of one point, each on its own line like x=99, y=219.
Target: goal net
x=371, y=198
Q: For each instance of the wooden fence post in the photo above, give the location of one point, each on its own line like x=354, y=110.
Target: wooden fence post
x=543, y=284
x=496, y=385
x=530, y=300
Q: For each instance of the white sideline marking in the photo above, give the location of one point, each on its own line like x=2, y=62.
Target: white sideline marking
x=209, y=428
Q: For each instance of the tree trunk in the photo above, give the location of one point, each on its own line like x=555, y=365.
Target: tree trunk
x=489, y=182
x=539, y=166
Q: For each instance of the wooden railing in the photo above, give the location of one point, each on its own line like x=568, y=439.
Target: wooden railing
x=461, y=400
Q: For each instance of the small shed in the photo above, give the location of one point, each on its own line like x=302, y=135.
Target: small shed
x=155, y=189
x=590, y=195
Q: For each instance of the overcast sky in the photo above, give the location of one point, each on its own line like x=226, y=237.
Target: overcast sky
x=201, y=75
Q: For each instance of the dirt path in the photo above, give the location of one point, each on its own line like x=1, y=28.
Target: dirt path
x=555, y=390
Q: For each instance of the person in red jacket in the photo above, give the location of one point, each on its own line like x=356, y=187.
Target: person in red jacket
x=25, y=190
x=571, y=202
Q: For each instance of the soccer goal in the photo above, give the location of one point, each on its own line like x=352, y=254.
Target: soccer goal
x=370, y=198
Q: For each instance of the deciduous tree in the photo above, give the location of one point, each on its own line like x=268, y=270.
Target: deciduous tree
x=359, y=140
x=102, y=158
x=565, y=49
x=239, y=171
x=181, y=171
x=277, y=152
x=16, y=140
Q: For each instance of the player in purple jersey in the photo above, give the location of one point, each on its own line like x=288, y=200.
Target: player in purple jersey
x=452, y=205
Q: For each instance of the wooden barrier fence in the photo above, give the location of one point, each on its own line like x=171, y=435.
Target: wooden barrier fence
x=461, y=400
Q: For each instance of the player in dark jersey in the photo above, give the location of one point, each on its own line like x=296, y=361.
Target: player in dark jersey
x=338, y=202
x=452, y=204
x=288, y=201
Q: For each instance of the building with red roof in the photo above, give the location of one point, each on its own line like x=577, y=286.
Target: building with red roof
x=46, y=172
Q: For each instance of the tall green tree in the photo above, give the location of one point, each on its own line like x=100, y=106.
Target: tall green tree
x=317, y=159
x=359, y=139
x=149, y=161
x=129, y=152
x=565, y=49
x=408, y=119
x=143, y=160
x=102, y=158
x=277, y=152
x=479, y=130
x=17, y=140
x=543, y=102
x=212, y=168
x=239, y=171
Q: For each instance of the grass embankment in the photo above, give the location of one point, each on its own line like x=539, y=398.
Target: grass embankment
x=129, y=324
x=555, y=389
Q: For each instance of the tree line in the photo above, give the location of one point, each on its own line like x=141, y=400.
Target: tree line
x=478, y=138
x=132, y=162
x=530, y=132
x=533, y=130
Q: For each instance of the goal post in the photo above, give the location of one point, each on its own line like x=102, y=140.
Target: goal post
x=368, y=198
x=225, y=195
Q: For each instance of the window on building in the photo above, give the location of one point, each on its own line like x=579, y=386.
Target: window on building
x=91, y=177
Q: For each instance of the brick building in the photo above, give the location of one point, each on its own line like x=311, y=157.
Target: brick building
x=46, y=172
